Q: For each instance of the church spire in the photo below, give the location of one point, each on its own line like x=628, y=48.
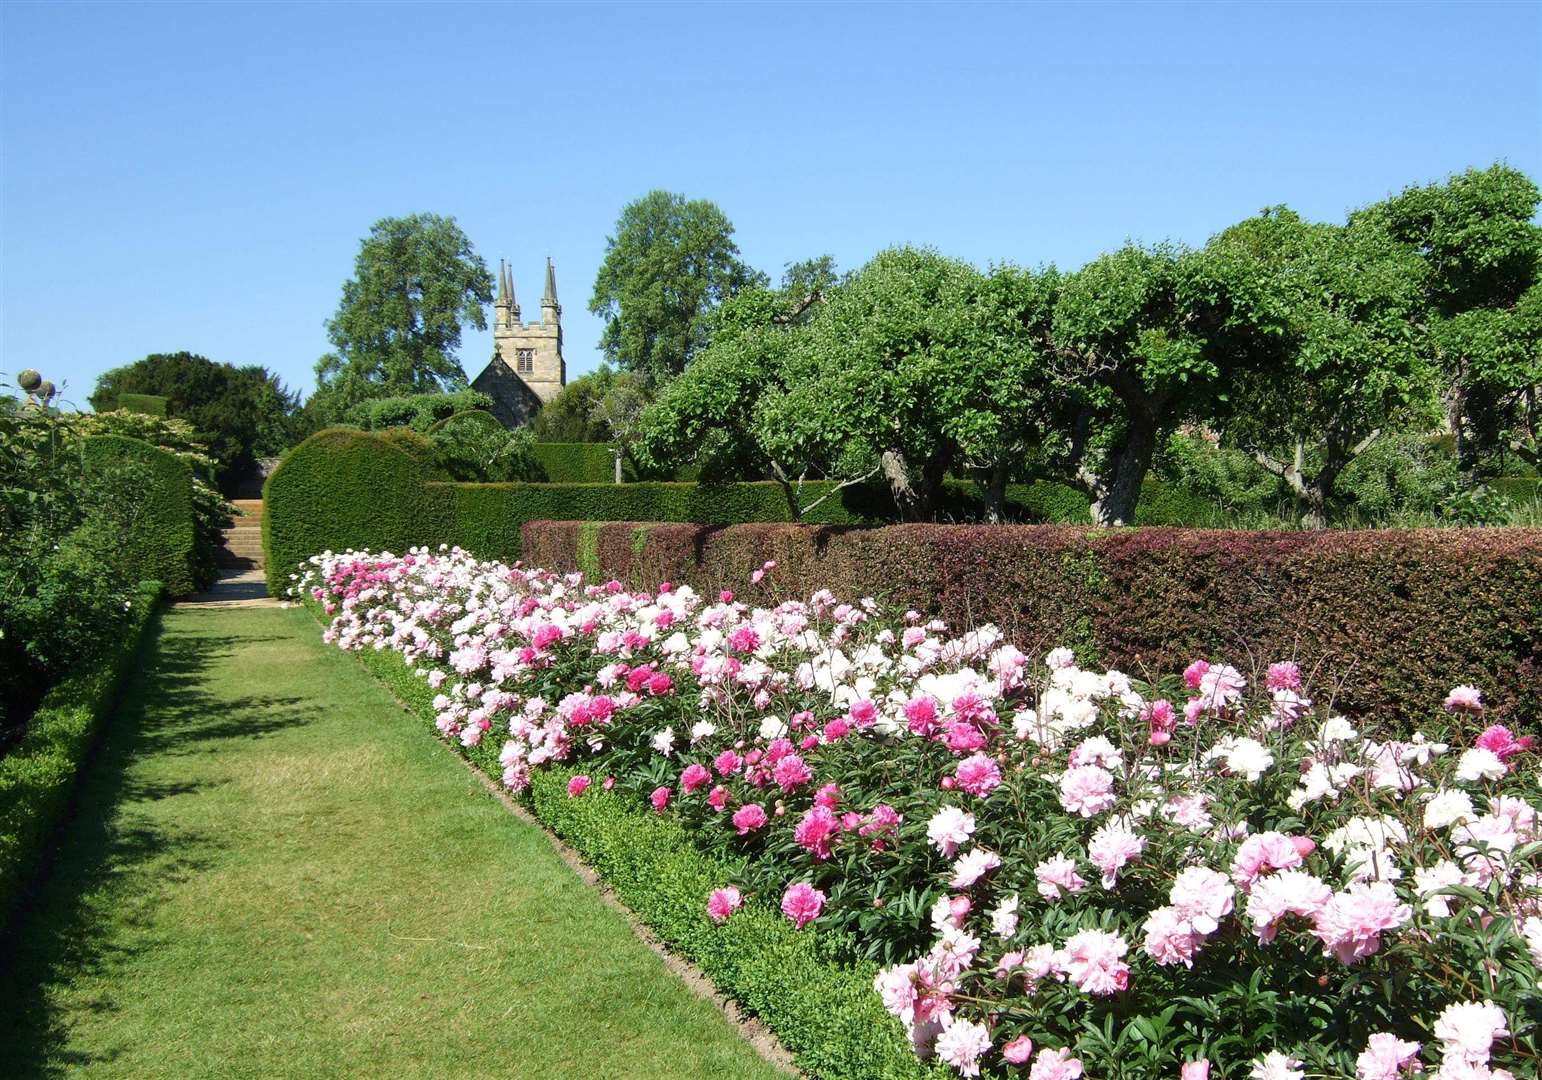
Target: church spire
x=506, y=300
x=549, y=299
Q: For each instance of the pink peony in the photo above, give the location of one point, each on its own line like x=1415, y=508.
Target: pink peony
x=1194, y=672
x=828, y=796
x=815, y=830
x=1055, y=1065
x=972, y=866
x=659, y=799
x=802, y=903
x=1294, y=892
x=1018, y=1050
x=1264, y=851
x=577, y=786
x=1092, y=960
x=1385, y=1056
x=1351, y=923
x=1087, y=790
x=1467, y=1030
x=1170, y=938
x=790, y=771
x=694, y=777
x=1498, y=740
x=717, y=798
x=727, y=763
x=1284, y=675
x=1465, y=699
x=723, y=903
x=748, y=818
x=961, y=1044
x=1202, y=896
x=1056, y=874
x=1111, y=847
x=978, y=775
x=1195, y=1070
x=948, y=828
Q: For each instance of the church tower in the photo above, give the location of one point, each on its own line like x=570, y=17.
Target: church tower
x=527, y=369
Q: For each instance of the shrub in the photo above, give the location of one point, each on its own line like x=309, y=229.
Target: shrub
x=417, y=411
x=1398, y=615
x=38, y=773
x=575, y=463
x=147, y=404
x=340, y=488
x=159, y=546
x=1137, y=871
x=474, y=446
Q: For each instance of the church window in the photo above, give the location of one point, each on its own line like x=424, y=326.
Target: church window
x=524, y=360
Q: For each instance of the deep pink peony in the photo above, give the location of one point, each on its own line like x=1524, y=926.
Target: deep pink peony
x=749, y=818
x=723, y=903
x=815, y=831
x=694, y=777
x=791, y=771
x=659, y=799
x=578, y=785
x=802, y=903
x=978, y=775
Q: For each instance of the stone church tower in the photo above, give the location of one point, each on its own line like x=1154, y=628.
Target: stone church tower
x=527, y=369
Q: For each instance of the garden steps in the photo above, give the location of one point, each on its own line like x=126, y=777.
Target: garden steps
x=242, y=581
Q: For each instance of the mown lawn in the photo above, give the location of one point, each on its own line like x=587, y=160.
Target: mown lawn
x=274, y=873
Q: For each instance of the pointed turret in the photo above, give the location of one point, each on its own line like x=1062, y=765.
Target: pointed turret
x=551, y=311
x=507, y=305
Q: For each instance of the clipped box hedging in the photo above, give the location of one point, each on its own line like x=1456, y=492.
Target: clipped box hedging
x=822, y=1010
x=1387, y=620
x=340, y=488
x=161, y=546
x=38, y=773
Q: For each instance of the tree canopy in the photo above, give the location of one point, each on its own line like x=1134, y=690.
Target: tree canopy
x=670, y=261
x=417, y=281
x=240, y=413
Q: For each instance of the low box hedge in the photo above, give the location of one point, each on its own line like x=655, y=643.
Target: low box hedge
x=824, y=1011
x=38, y=773
x=1387, y=621
x=161, y=547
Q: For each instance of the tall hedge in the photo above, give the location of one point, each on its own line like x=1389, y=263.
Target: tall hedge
x=575, y=463
x=340, y=488
x=148, y=404
x=160, y=548
x=1386, y=621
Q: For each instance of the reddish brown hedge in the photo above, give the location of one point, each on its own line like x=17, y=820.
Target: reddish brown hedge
x=1386, y=621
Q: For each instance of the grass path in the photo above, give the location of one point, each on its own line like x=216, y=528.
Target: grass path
x=274, y=873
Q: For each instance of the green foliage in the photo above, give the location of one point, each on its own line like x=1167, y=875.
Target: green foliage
x=669, y=263
x=474, y=446
x=573, y=462
x=238, y=415
x=417, y=280
x=38, y=772
x=149, y=404
x=578, y=414
x=340, y=488
x=157, y=544
x=417, y=411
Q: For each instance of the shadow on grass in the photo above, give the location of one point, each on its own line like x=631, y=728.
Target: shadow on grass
x=80, y=921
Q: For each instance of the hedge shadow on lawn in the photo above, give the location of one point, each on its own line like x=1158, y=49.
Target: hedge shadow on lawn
x=99, y=856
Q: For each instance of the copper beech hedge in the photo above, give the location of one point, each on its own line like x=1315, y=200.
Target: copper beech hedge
x=1384, y=621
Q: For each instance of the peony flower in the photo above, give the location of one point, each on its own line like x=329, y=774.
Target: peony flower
x=1260, y=852
x=1467, y=1030
x=664, y=741
x=948, y=828
x=1058, y=873
x=578, y=785
x=802, y=903
x=1195, y=1070
x=1478, y=764
x=1004, y=917
x=749, y=817
x=1202, y=896
x=791, y=771
x=1092, y=960
x=972, y=866
x=978, y=775
x=694, y=777
x=814, y=832
x=1276, y=1066
x=1504, y=745
x=1465, y=699
x=1351, y=923
x=659, y=799
x=1293, y=892
x=1055, y=1065
x=1284, y=675
x=1018, y=1050
x=1087, y=790
x=961, y=1044
x=1170, y=938
x=723, y=903
x=1447, y=807
x=1111, y=847
x=1385, y=1056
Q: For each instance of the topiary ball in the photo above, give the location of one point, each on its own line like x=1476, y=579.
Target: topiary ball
x=29, y=380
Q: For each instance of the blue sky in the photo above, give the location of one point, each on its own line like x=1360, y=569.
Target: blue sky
x=183, y=176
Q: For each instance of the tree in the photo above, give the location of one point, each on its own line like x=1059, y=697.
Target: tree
x=670, y=262
x=1345, y=356
x=1482, y=251
x=241, y=414
x=570, y=416
x=1144, y=339
x=416, y=282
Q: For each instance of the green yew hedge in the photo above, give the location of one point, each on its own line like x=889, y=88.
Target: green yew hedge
x=161, y=547
x=575, y=463
x=38, y=774
x=1386, y=621
x=147, y=404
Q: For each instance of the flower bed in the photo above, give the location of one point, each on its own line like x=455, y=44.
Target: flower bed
x=1059, y=872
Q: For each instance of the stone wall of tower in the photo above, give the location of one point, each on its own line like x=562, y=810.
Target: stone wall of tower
x=549, y=372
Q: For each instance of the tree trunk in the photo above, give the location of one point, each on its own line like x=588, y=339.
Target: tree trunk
x=1117, y=505
x=996, y=493
x=617, y=455
x=902, y=484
